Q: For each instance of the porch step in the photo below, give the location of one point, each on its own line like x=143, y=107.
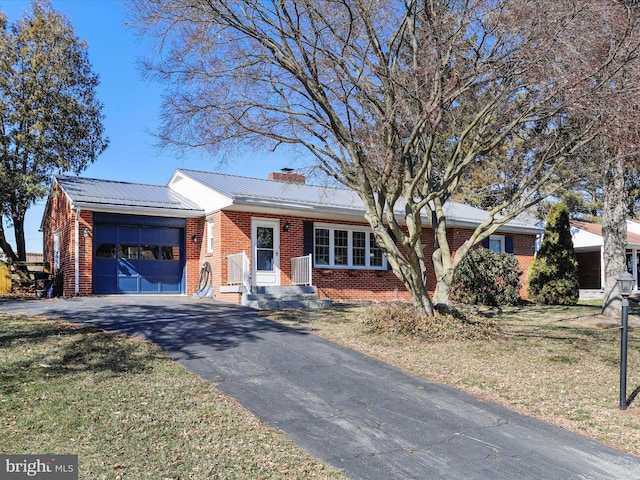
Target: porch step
x=277, y=298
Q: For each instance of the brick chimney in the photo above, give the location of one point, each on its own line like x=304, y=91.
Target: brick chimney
x=287, y=175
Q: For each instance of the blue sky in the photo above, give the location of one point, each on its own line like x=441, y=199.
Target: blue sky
x=131, y=108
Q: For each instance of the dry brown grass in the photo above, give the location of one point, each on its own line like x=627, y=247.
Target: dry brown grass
x=560, y=364
x=128, y=411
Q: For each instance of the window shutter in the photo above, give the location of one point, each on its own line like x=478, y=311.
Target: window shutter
x=307, y=237
x=485, y=242
x=392, y=235
x=508, y=244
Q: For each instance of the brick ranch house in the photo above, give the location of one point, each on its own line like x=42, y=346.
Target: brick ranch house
x=113, y=237
x=589, y=247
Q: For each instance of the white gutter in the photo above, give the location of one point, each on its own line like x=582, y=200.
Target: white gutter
x=77, y=248
x=358, y=214
x=139, y=210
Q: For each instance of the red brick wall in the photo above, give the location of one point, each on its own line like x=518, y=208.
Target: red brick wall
x=59, y=217
x=233, y=235
x=193, y=252
x=523, y=250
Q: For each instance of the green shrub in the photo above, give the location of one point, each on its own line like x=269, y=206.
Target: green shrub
x=402, y=319
x=488, y=278
x=553, y=277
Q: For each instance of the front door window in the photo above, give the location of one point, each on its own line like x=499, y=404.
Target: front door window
x=264, y=249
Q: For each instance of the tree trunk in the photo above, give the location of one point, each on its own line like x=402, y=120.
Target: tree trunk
x=4, y=245
x=420, y=297
x=442, y=261
x=18, y=228
x=614, y=234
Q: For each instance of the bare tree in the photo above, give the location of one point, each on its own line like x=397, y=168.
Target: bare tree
x=396, y=100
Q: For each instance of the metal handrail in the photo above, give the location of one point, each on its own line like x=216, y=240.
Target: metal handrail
x=301, y=270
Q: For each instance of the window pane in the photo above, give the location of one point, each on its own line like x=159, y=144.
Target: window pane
x=264, y=237
x=322, y=246
x=495, y=245
x=359, y=247
x=341, y=247
x=210, y=231
x=171, y=252
x=106, y=250
x=375, y=254
x=265, y=260
x=127, y=251
x=149, y=252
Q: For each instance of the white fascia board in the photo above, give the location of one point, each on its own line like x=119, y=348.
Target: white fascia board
x=206, y=198
x=633, y=227
x=137, y=210
x=247, y=204
x=582, y=238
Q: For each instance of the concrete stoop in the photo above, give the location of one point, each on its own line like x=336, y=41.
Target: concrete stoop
x=278, y=298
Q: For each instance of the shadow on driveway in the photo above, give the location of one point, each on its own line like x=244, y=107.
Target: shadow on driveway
x=176, y=324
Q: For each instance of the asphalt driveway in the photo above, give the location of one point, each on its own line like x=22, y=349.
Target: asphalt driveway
x=368, y=418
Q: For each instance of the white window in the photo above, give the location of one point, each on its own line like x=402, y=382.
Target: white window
x=56, y=250
x=496, y=243
x=210, y=231
x=346, y=247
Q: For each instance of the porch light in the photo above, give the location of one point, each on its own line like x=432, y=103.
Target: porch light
x=194, y=238
x=285, y=227
x=86, y=233
x=625, y=284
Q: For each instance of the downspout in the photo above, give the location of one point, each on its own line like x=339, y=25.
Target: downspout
x=77, y=248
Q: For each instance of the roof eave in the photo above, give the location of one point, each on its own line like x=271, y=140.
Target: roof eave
x=360, y=214
x=138, y=210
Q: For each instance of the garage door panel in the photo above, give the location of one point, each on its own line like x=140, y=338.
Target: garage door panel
x=104, y=232
x=128, y=234
x=170, y=236
x=127, y=267
x=149, y=268
x=128, y=284
x=149, y=235
x=149, y=284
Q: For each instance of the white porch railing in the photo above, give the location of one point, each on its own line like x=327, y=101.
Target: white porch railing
x=301, y=268
x=239, y=272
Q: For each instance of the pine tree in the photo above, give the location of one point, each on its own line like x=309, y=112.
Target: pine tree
x=553, y=277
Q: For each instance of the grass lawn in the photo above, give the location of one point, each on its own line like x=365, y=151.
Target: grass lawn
x=560, y=364
x=128, y=411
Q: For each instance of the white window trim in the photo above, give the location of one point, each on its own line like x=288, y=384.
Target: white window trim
x=210, y=232
x=332, y=227
x=501, y=239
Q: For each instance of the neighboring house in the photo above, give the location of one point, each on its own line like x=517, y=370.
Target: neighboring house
x=117, y=237
x=588, y=245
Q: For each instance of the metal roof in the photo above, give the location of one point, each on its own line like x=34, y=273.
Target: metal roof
x=256, y=191
x=113, y=195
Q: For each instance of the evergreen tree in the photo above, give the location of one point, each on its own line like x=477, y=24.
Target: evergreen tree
x=553, y=277
x=50, y=118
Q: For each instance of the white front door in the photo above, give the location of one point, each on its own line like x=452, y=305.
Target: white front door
x=265, y=245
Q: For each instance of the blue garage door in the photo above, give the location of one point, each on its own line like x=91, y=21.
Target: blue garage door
x=137, y=255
